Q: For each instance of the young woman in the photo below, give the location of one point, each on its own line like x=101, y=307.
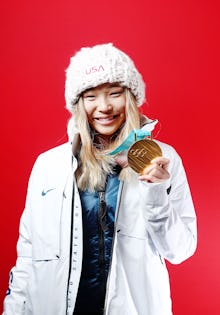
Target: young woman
x=95, y=233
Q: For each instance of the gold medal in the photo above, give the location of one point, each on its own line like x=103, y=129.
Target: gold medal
x=141, y=153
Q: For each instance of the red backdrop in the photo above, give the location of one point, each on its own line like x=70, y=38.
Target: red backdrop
x=175, y=44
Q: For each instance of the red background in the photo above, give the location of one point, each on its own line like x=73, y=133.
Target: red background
x=175, y=44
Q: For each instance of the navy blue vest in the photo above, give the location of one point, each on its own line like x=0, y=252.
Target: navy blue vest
x=98, y=210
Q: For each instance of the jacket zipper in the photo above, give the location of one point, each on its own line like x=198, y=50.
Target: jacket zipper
x=113, y=241
x=102, y=227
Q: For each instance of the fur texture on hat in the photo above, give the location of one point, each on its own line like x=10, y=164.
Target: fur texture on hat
x=92, y=66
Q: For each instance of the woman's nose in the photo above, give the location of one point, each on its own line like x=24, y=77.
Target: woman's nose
x=104, y=105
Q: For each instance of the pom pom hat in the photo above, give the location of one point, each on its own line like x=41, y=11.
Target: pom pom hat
x=93, y=66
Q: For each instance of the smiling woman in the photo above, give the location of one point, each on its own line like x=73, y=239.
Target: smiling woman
x=95, y=239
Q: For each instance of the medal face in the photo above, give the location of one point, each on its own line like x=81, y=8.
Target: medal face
x=141, y=153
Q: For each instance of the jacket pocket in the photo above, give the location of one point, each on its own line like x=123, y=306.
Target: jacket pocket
x=45, y=251
x=131, y=233
x=46, y=246
x=45, y=257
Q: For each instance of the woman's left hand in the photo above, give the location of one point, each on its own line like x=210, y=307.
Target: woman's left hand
x=157, y=171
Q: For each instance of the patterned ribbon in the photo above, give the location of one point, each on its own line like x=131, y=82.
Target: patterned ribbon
x=135, y=135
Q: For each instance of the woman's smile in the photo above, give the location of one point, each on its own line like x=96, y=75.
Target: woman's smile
x=106, y=120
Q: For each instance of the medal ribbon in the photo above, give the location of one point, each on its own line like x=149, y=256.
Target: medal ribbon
x=134, y=135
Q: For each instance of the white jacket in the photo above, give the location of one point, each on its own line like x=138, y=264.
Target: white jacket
x=152, y=224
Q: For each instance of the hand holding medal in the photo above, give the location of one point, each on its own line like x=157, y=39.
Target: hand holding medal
x=144, y=156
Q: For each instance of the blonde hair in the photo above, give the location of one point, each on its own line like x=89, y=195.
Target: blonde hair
x=95, y=164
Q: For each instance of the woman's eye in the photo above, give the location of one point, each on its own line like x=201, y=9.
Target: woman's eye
x=116, y=93
x=89, y=97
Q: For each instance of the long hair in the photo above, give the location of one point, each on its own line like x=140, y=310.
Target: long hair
x=95, y=164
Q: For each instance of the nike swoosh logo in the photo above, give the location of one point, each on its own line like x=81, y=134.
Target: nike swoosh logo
x=45, y=192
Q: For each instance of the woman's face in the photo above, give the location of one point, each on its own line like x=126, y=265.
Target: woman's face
x=105, y=108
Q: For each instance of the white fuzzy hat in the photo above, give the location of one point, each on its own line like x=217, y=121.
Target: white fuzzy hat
x=92, y=66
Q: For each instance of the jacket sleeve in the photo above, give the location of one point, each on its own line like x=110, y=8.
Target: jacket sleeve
x=14, y=302
x=170, y=214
